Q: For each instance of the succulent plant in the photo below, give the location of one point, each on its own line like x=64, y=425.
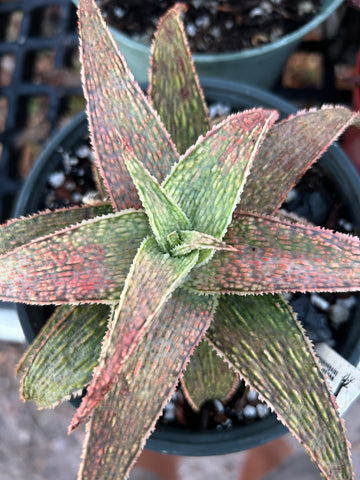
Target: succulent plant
x=189, y=249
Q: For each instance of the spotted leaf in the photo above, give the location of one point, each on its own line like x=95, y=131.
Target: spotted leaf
x=208, y=377
x=165, y=217
x=87, y=262
x=153, y=278
x=260, y=338
x=19, y=231
x=175, y=91
x=208, y=180
x=273, y=255
x=149, y=378
x=288, y=151
x=117, y=106
x=61, y=359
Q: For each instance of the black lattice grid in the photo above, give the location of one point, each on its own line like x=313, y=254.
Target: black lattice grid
x=38, y=54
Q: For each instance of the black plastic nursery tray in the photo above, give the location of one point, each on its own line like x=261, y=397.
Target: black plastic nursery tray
x=39, y=84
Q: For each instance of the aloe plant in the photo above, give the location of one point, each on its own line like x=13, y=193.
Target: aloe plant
x=190, y=250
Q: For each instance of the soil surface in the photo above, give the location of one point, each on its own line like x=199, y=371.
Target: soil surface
x=34, y=444
x=214, y=25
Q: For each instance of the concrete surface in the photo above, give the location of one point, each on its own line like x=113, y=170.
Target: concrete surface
x=34, y=444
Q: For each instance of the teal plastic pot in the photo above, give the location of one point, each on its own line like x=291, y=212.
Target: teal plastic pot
x=180, y=441
x=260, y=66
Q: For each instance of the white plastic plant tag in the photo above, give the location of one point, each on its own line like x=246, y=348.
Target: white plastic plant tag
x=343, y=378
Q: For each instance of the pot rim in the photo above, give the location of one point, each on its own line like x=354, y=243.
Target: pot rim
x=327, y=8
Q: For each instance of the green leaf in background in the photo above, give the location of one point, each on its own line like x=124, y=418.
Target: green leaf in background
x=153, y=277
x=208, y=377
x=263, y=341
x=174, y=90
x=136, y=400
x=61, y=359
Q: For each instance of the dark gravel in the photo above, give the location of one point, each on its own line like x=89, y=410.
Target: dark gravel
x=214, y=25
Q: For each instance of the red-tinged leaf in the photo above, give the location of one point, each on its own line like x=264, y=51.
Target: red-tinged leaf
x=19, y=231
x=174, y=90
x=276, y=256
x=208, y=377
x=61, y=360
x=136, y=400
x=117, y=106
x=260, y=337
x=153, y=277
x=87, y=262
x=165, y=217
x=99, y=182
x=209, y=178
x=290, y=148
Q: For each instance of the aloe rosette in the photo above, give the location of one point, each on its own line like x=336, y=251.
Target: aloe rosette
x=190, y=250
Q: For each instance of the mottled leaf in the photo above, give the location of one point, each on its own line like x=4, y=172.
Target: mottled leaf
x=87, y=262
x=152, y=279
x=164, y=215
x=117, y=106
x=174, y=90
x=61, y=359
x=260, y=337
x=136, y=400
x=19, y=231
x=208, y=180
x=276, y=256
x=208, y=377
x=290, y=148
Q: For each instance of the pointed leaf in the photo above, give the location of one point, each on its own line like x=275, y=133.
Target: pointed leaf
x=208, y=180
x=137, y=399
x=87, y=262
x=290, y=149
x=61, y=359
x=175, y=91
x=117, y=106
x=164, y=215
x=276, y=256
x=274, y=356
x=192, y=240
x=19, y=231
x=153, y=277
x=208, y=377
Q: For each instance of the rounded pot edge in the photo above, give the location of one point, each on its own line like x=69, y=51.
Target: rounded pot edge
x=246, y=66
x=177, y=441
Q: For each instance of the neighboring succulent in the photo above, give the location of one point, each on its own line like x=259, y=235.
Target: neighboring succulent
x=191, y=246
